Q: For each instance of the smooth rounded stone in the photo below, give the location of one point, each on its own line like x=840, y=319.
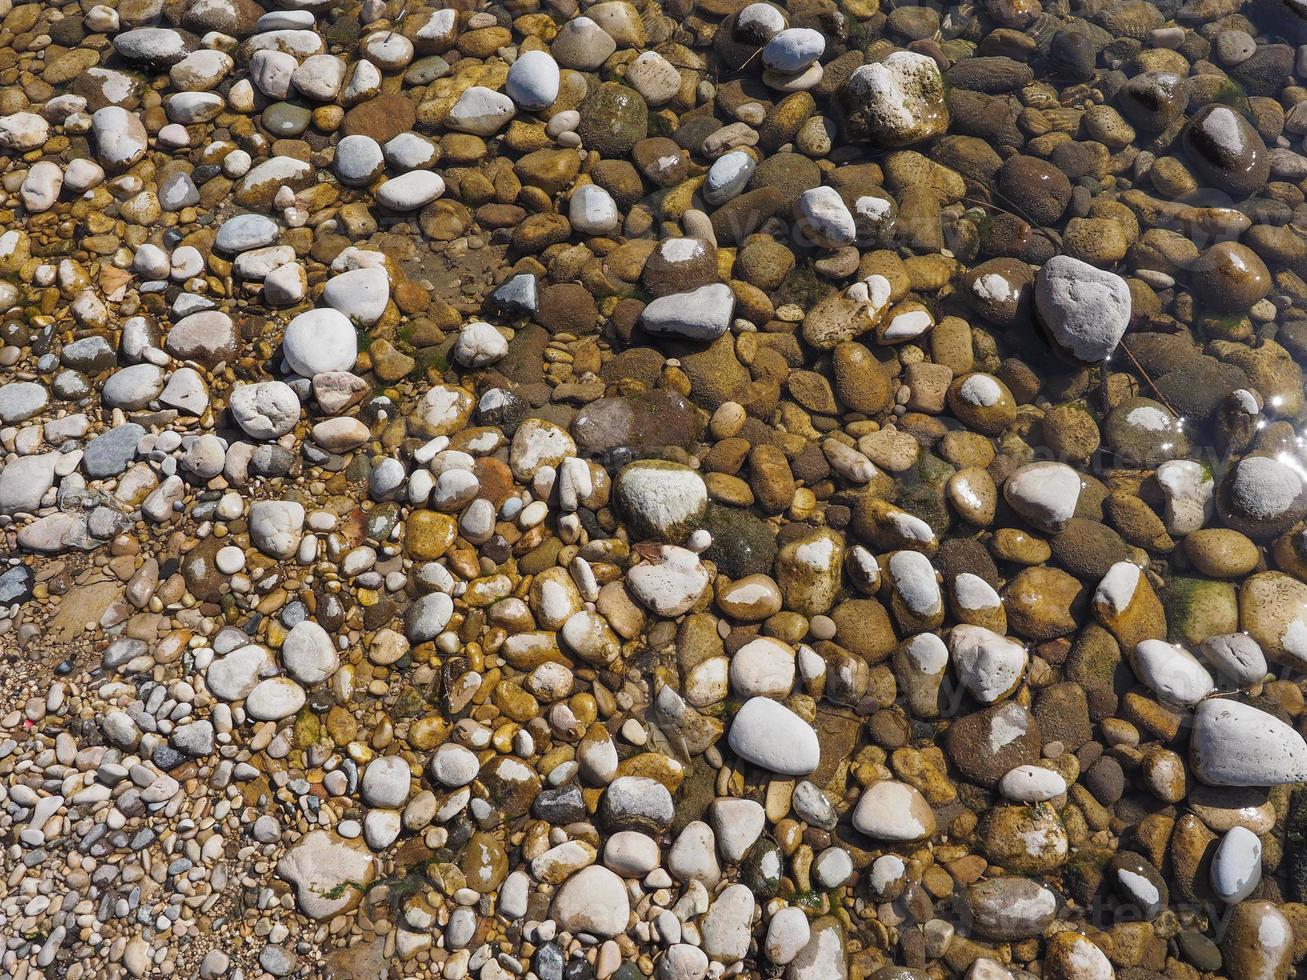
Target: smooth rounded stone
x=1230, y=277
x=702, y=314
x=683, y=961
x=1236, y=658
x=320, y=341
x=592, y=210
x=481, y=111
x=728, y=176
x=177, y=191
x=824, y=957
x=678, y=263
x=276, y=526
x=133, y=387
x=319, y=77
x=654, y=77
x=233, y=677
x=894, y=811
x=386, y=782
x=1188, y=490
x=359, y=159
x=229, y=560
x=265, y=410
x=787, y=933
x=895, y=102
x=239, y=18
x=1142, y=432
x=614, y=118
x=484, y=863
x=25, y=481
x=582, y=44
x=1085, y=309
x=1044, y=493
x=738, y=824
x=190, y=108
x=693, y=855
x=1235, y=744
x=388, y=50
x=631, y=854
x=410, y=191
x=109, y=454
x=636, y=803
x=660, y=500
x=427, y=617
x=360, y=294
x=1261, y=497
x=1071, y=956
x=1258, y=942
x=23, y=131
x=21, y=400
x=1236, y=868
x=990, y=666
x=461, y=928
x=792, y=50
x=533, y=81
x=824, y=219
x=262, y=181
x=768, y=734
x=1171, y=672
x=386, y=479
x=916, y=592
x=54, y=533
x=120, y=137
x=206, y=457
x=271, y=71
x=670, y=583
x=1031, y=784
x=479, y=344
x=407, y=151
x=274, y=699
x=986, y=744
x=277, y=960
x=1226, y=151
x=308, y=653
x=41, y=186
x=423, y=71
x=589, y=636
x=329, y=873
x=444, y=409
x=594, y=901
x=726, y=929
x=259, y=263
x=708, y=682
x=763, y=668
x=214, y=964
x=1009, y=908
x=286, y=285
x=158, y=46
x=757, y=23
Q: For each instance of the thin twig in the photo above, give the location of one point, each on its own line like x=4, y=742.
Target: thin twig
x=1151, y=383
x=398, y=19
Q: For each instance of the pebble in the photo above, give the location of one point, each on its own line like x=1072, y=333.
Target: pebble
x=702, y=314
x=1237, y=865
x=593, y=900
x=410, y=191
x=533, y=81
x=1085, y=309
x=767, y=734
x=318, y=342
x=1235, y=744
